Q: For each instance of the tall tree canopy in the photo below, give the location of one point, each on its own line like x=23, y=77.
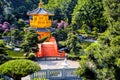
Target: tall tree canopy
x=89, y=12
x=102, y=59
x=62, y=9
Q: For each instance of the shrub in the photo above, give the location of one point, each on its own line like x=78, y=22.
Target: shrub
x=31, y=56
x=18, y=68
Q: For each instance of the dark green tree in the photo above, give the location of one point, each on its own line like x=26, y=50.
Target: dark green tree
x=21, y=24
x=102, y=59
x=62, y=9
x=73, y=43
x=3, y=53
x=1, y=8
x=17, y=34
x=60, y=34
x=17, y=69
x=85, y=28
x=31, y=40
x=89, y=12
x=58, y=15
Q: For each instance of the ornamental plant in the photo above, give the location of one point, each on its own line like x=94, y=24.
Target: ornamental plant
x=17, y=69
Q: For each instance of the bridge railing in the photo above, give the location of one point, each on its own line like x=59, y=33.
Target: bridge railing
x=56, y=74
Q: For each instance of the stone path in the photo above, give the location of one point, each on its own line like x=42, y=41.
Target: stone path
x=57, y=64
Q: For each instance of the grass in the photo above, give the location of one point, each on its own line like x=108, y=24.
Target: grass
x=15, y=54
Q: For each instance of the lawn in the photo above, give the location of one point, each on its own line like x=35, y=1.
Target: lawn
x=15, y=54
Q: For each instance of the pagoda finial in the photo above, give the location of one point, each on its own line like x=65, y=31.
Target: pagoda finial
x=40, y=4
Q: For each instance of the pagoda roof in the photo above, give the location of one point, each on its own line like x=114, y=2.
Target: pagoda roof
x=38, y=11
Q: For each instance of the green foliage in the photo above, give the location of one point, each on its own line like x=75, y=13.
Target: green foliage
x=11, y=13
x=15, y=34
x=62, y=9
x=32, y=56
x=15, y=54
x=115, y=41
x=7, y=12
x=2, y=47
x=1, y=79
x=18, y=68
x=103, y=57
x=95, y=31
x=3, y=53
x=21, y=23
x=97, y=61
x=86, y=28
x=60, y=34
x=101, y=60
x=89, y=12
x=18, y=35
x=117, y=62
x=73, y=56
x=73, y=43
x=31, y=41
x=85, y=44
x=112, y=12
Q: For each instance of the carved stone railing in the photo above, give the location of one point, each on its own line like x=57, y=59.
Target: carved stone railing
x=56, y=74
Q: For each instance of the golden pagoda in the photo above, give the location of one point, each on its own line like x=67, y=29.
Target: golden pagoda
x=39, y=19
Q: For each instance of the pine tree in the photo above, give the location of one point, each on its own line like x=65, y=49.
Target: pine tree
x=102, y=59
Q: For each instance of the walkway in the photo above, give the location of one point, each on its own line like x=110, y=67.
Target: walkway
x=57, y=64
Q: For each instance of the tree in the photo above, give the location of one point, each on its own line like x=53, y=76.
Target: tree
x=89, y=12
x=31, y=40
x=73, y=43
x=86, y=28
x=60, y=34
x=3, y=53
x=21, y=24
x=11, y=13
x=111, y=13
x=17, y=35
x=18, y=68
x=1, y=7
x=7, y=12
x=101, y=59
x=62, y=9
